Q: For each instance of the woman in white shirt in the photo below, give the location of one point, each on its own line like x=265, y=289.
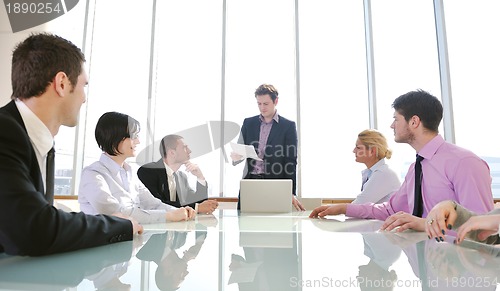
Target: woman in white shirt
x=111, y=186
x=379, y=182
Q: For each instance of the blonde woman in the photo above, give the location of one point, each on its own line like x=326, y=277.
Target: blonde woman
x=378, y=180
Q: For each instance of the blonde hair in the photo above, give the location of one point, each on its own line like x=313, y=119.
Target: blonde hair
x=372, y=138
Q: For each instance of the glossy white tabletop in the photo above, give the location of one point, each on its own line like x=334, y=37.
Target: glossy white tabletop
x=227, y=251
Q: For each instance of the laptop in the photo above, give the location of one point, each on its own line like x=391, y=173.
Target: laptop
x=265, y=196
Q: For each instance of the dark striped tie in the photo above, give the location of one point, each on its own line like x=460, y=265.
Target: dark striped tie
x=49, y=178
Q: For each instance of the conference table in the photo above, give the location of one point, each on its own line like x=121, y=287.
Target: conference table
x=228, y=250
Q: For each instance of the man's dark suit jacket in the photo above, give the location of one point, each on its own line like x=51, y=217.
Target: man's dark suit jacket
x=29, y=225
x=280, y=158
x=154, y=177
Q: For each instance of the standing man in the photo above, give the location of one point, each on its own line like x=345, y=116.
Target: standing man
x=48, y=89
x=274, y=139
x=171, y=186
x=448, y=172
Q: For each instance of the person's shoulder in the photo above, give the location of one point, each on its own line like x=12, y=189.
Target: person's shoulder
x=10, y=128
x=152, y=166
x=286, y=120
x=251, y=122
x=95, y=167
x=458, y=152
x=8, y=121
x=251, y=118
x=7, y=116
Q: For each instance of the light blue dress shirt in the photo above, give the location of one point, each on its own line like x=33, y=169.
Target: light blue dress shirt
x=381, y=182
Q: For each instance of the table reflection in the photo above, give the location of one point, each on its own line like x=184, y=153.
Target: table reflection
x=62, y=270
x=376, y=247
x=263, y=252
x=446, y=266
x=269, y=259
x=172, y=265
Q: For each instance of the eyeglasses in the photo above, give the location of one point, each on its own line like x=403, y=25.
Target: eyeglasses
x=134, y=135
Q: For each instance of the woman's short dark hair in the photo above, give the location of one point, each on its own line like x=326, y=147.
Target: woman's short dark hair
x=112, y=128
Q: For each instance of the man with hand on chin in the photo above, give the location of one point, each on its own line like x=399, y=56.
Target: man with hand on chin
x=171, y=186
x=448, y=172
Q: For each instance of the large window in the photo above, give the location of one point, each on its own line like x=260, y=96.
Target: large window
x=192, y=68
x=186, y=82
x=405, y=53
x=119, y=66
x=474, y=72
x=260, y=49
x=333, y=96
x=70, y=26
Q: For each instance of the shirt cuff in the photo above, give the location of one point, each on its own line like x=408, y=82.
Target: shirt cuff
x=202, y=182
x=196, y=207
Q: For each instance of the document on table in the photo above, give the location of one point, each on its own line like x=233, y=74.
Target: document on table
x=247, y=151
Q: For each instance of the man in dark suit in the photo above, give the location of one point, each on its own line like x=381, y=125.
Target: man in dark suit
x=48, y=83
x=171, y=186
x=275, y=140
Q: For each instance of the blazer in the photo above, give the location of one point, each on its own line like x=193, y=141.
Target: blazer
x=154, y=177
x=280, y=158
x=29, y=224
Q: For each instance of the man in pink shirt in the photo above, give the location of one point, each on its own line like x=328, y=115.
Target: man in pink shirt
x=448, y=171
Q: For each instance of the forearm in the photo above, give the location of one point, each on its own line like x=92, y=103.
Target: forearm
x=148, y=216
x=202, y=190
x=370, y=210
x=463, y=215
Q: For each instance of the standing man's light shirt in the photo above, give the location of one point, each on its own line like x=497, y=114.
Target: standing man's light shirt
x=265, y=130
x=40, y=136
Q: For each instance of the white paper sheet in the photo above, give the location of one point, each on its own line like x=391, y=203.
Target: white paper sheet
x=247, y=151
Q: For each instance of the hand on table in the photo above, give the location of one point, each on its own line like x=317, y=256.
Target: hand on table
x=403, y=221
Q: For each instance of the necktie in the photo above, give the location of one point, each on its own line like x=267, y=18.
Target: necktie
x=49, y=176
x=172, y=186
x=418, y=208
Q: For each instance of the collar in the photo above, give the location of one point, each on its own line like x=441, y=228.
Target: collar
x=366, y=173
x=276, y=117
x=111, y=165
x=378, y=165
x=430, y=149
x=169, y=171
x=38, y=132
